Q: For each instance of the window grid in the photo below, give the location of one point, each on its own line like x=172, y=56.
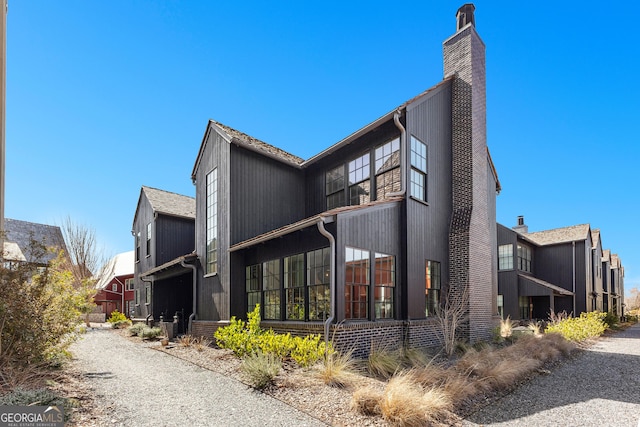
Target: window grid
x=359, y=182
x=212, y=222
x=294, y=287
x=385, y=281
x=356, y=284
x=252, y=286
x=149, y=239
x=318, y=278
x=524, y=258
x=432, y=287
x=418, y=185
x=334, y=187
x=271, y=289
x=505, y=257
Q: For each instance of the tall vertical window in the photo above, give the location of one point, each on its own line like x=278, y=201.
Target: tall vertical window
x=129, y=284
x=137, y=246
x=356, y=284
x=359, y=182
x=432, y=287
x=385, y=282
x=294, y=287
x=147, y=294
x=387, y=158
x=418, y=169
x=334, y=187
x=524, y=258
x=212, y=222
x=252, y=286
x=271, y=289
x=136, y=296
x=318, y=278
x=500, y=304
x=505, y=257
x=149, y=239
x=525, y=307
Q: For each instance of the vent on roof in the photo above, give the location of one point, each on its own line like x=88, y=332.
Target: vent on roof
x=465, y=16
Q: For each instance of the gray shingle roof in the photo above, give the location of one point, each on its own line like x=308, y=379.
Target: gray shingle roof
x=169, y=203
x=573, y=233
x=260, y=146
x=23, y=233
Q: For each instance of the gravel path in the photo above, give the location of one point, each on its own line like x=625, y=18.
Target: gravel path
x=142, y=387
x=600, y=387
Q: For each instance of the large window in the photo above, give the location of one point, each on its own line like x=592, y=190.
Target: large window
x=388, y=178
x=359, y=182
x=432, y=287
x=147, y=294
x=252, y=286
x=271, y=289
x=418, y=169
x=505, y=257
x=334, y=187
x=524, y=258
x=356, y=284
x=212, y=222
x=149, y=239
x=318, y=277
x=129, y=284
x=137, y=246
x=385, y=282
x=294, y=287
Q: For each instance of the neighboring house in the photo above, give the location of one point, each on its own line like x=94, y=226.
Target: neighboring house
x=616, y=286
x=563, y=269
x=115, y=286
x=164, y=230
x=31, y=242
x=364, y=237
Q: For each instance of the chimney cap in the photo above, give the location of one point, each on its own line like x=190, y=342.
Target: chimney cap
x=464, y=16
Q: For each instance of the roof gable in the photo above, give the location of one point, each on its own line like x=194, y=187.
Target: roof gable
x=573, y=233
x=23, y=233
x=120, y=265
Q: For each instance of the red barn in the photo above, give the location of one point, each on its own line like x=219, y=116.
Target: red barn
x=115, y=285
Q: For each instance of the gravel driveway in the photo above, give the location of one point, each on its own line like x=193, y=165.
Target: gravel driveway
x=601, y=387
x=143, y=387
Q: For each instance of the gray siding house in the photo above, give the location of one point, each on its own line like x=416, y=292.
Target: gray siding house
x=163, y=230
x=563, y=269
x=361, y=240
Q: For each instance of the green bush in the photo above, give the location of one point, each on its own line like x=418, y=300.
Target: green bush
x=148, y=333
x=611, y=319
x=40, y=397
x=118, y=320
x=588, y=325
x=261, y=368
x=136, y=330
x=244, y=338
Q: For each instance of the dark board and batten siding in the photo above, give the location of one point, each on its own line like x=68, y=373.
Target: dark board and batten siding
x=144, y=215
x=508, y=279
x=213, y=298
x=174, y=237
x=429, y=120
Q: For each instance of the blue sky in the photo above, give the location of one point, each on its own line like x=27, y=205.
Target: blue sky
x=103, y=97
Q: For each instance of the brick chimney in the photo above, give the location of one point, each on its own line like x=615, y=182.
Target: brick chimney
x=472, y=234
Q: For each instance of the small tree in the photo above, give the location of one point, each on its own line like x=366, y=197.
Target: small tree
x=451, y=314
x=85, y=256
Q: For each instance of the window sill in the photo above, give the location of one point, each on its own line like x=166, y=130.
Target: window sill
x=422, y=202
x=210, y=275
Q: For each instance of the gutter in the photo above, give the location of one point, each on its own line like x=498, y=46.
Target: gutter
x=193, y=315
x=403, y=155
x=332, y=278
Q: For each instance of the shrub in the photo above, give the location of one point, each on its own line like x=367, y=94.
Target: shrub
x=261, y=368
x=118, y=320
x=588, y=325
x=148, y=333
x=366, y=401
x=40, y=397
x=240, y=336
x=136, y=330
x=308, y=350
x=506, y=327
x=384, y=363
x=611, y=319
x=336, y=369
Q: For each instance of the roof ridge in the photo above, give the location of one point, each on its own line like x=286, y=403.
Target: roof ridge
x=166, y=191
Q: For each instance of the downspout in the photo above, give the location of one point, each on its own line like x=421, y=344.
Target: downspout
x=192, y=316
x=574, y=277
x=332, y=278
x=146, y=279
x=403, y=154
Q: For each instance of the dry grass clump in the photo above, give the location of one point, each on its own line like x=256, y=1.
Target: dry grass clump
x=384, y=363
x=506, y=327
x=405, y=403
x=337, y=369
x=366, y=401
x=261, y=368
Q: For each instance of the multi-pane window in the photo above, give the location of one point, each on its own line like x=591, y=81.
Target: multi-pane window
x=212, y=222
x=334, y=187
x=137, y=246
x=252, y=286
x=149, y=239
x=388, y=178
x=271, y=289
x=294, y=287
x=356, y=284
x=505, y=257
x=432, y=287
x=359, y=182
x=418, y=169
x=318, y=278
x=385, y=282
x=129, y=284
x=524, y=258
x=114, y=287
x=500, y=303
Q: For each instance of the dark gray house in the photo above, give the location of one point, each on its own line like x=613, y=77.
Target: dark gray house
x=361, y=239
x=163, y=230
x=563, y=269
